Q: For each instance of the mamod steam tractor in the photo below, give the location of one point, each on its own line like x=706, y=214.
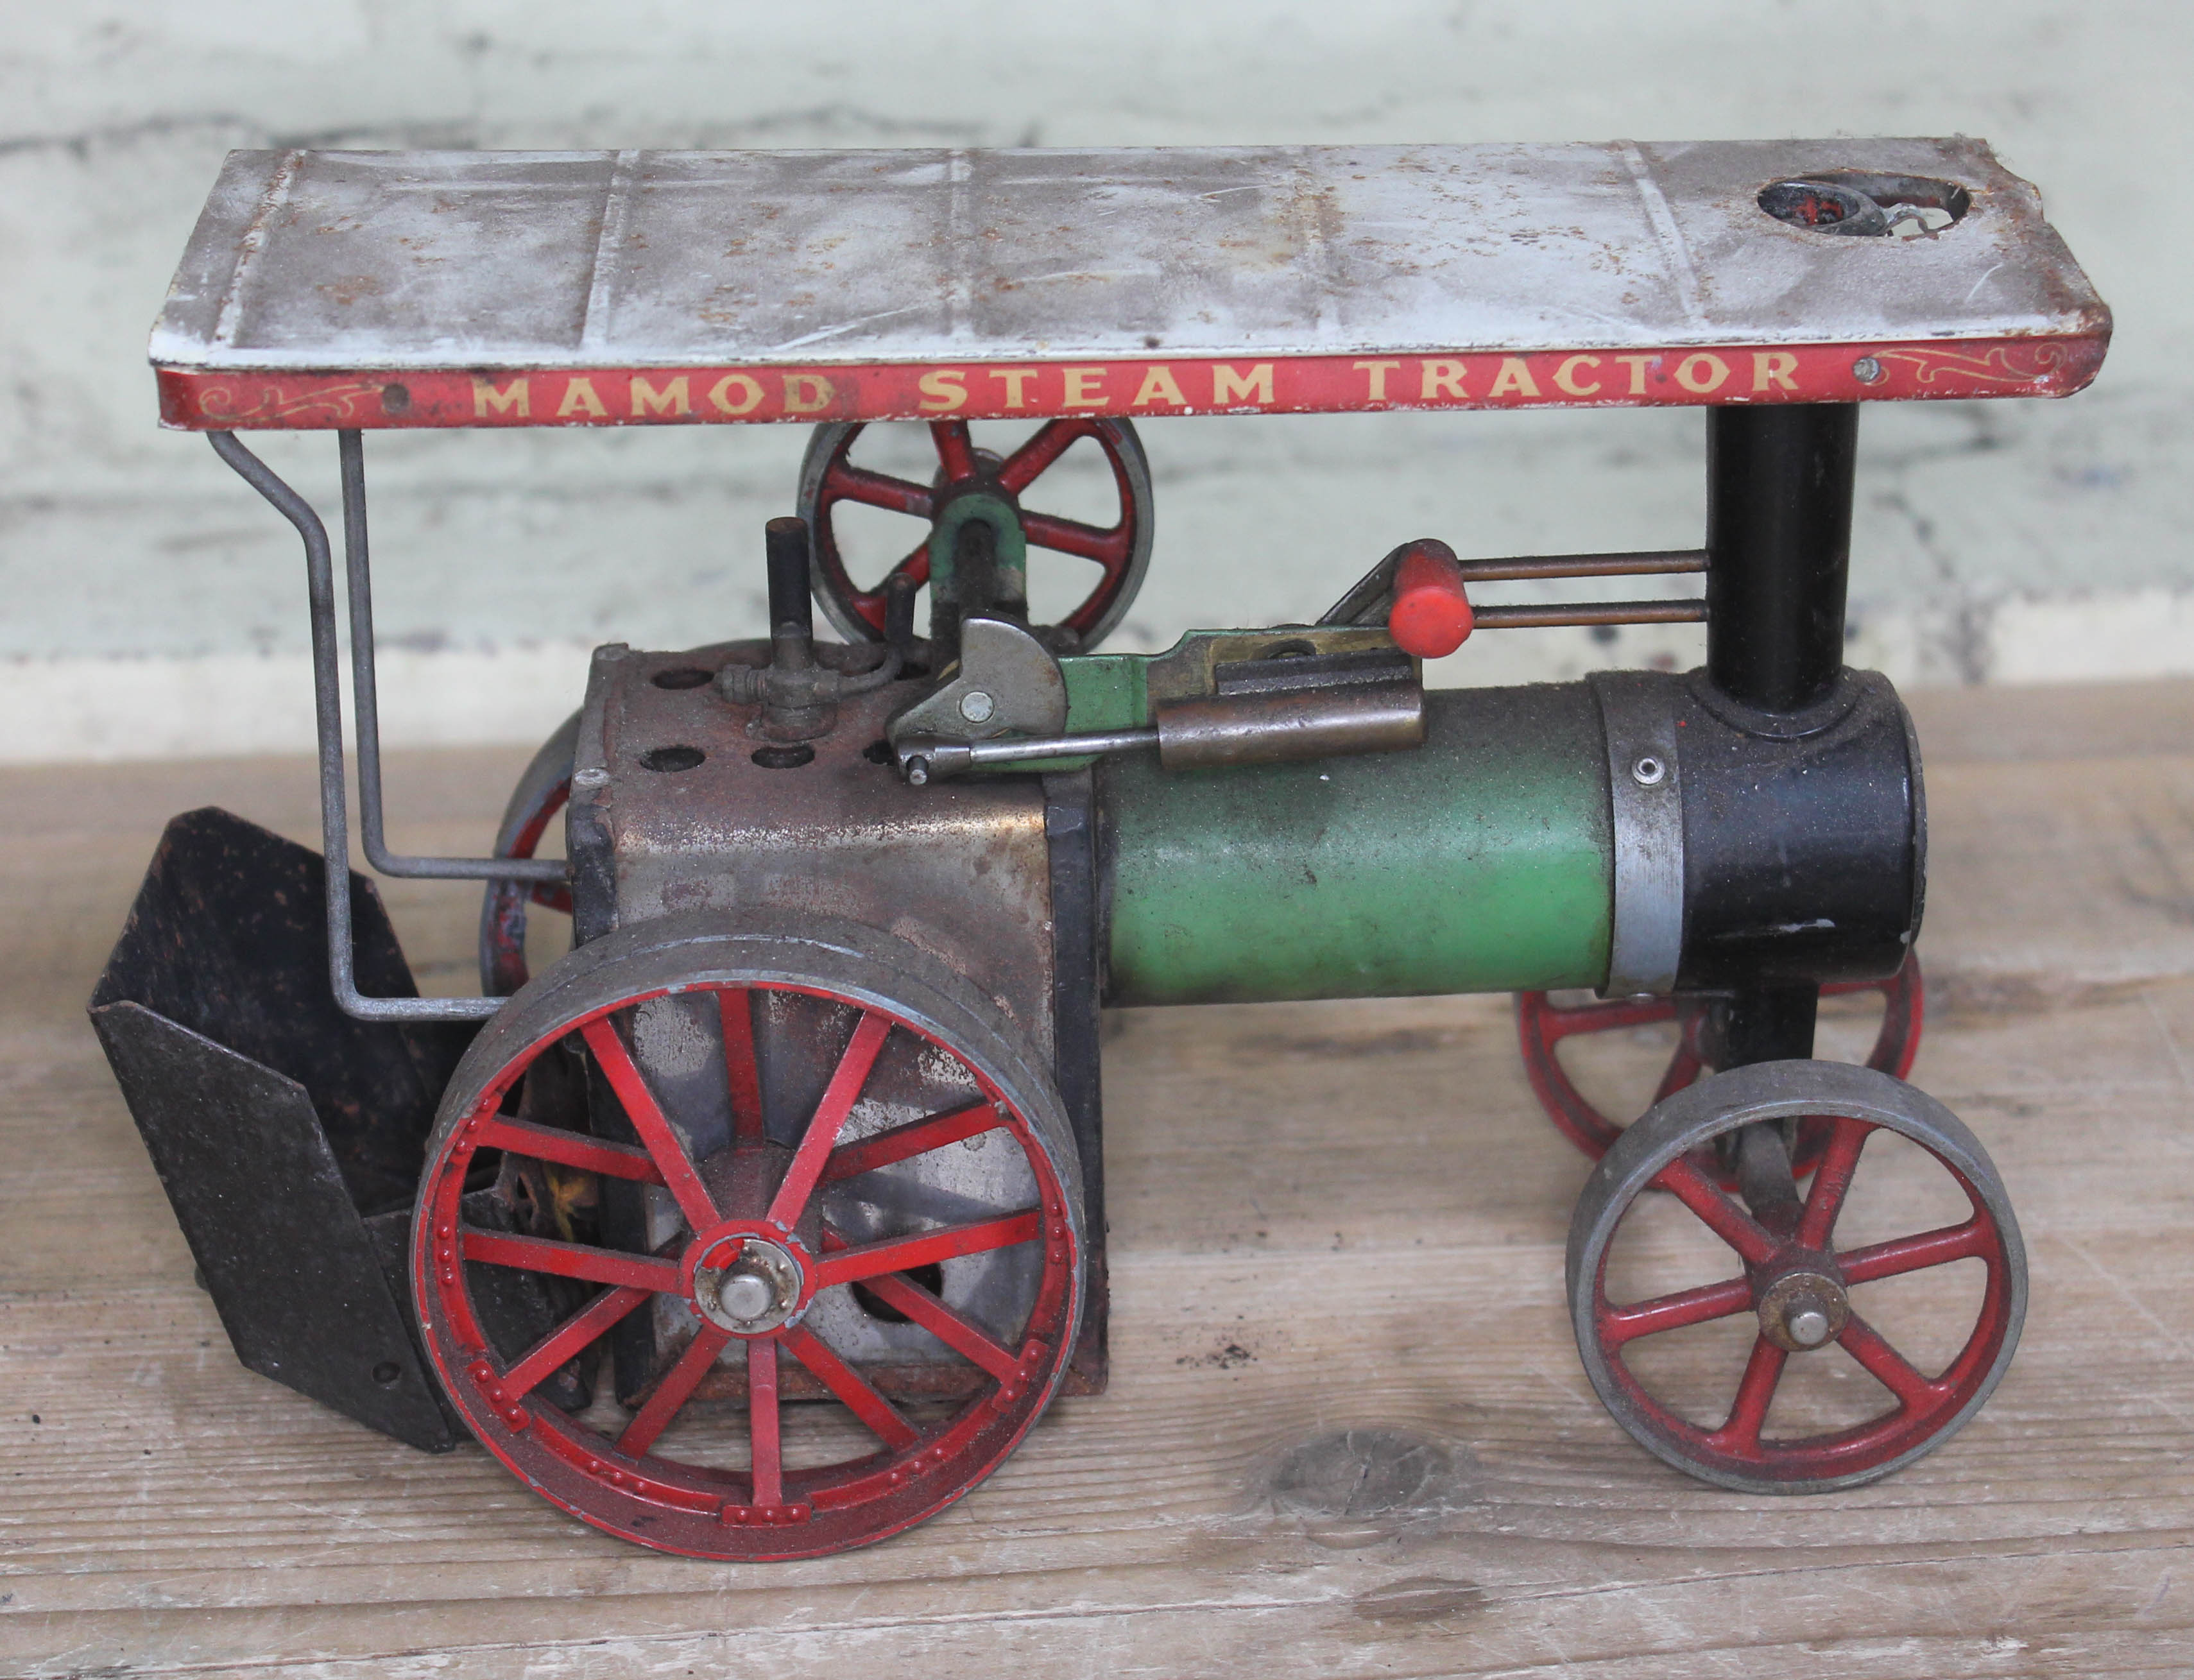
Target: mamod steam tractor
x=766, y=1221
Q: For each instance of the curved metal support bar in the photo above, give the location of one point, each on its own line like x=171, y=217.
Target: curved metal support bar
x=327, y=717
x=358, y=582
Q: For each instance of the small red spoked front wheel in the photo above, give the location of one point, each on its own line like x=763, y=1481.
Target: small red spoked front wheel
x=1543, y=1025
x=786, y=1158
x=1120, y=551
x=1803, y=1289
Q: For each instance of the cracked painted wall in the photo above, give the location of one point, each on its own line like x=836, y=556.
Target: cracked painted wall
x=154, y=607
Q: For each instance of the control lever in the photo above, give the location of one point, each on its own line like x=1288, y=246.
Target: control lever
x=1417, y=590
x=1266, y=711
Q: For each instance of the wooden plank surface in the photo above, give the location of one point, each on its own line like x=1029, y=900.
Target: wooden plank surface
x=1326, y=1218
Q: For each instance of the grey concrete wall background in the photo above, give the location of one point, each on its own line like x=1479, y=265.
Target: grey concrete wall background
x=152, y=605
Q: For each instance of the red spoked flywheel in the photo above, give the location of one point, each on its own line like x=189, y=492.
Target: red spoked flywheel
x=1120, y=552
x=1804, y=1296
x=1542, y=1025
x=816, y=1212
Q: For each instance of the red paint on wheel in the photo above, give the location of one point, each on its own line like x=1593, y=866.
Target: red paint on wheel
x=1542, y=1025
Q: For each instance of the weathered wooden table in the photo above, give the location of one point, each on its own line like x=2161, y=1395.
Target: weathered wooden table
x=1302, y=1334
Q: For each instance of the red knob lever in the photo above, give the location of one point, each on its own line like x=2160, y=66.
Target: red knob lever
x=1431, y=616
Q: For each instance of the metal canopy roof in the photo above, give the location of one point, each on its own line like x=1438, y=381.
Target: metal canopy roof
x=468, y=288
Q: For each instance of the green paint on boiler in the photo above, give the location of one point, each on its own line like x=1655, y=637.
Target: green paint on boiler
x=1480, y=862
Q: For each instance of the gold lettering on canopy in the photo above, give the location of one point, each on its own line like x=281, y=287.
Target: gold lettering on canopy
x=515, y=398
x=1158, y=386
x=944, y=389
x=750, y=390
x=1376, y=374
x=1566, y=376
x=1701, y=373
x=1081, y=386
x=808, y=392
x=579, y=398
x=1773, y=367
x=670, y=400
x=1255, y=385
x=1442, y=378
x=1515, y=376
x=1016, y=381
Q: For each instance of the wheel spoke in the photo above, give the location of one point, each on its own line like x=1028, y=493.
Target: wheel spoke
x=1682, y=1179
x=822, y=1134
x=1685, y=1066
x=672, y=1392
x=1108, y=548
x=915, y=1137
x=768, y=1460
x=955, y=451
x=1832, y=1181
x=566, y=1148
x=878, y=1415
x=649, y=1120
x=1970, y=1241
x=870, y=603
x=903, y=1254
x=573, y=1260
x=742, y=1071
x=964, y=1338
x=1557, y=1023
x=1755, y=1393
x=1048, y=442
x=1621, y=1325
x=915, y=566
x=1888, y=1367
x=847, y=483
x=565, y=1341
x=1766, y=1179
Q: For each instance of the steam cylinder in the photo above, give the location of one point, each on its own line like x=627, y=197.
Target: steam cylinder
x=1481, y=862
x=1489, y=859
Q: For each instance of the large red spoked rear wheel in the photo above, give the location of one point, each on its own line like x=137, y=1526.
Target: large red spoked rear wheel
x=1120, y=552
x=1542, y=1025
x=1799, y=1289
x=818, y=1164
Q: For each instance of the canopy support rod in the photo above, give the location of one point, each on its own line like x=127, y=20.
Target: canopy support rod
x=327, y=716
x=358, y=585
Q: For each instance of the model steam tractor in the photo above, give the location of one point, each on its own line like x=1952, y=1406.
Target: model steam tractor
x=767, y=1221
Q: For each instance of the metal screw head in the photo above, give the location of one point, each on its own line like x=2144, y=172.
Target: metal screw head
x=1808, y=1327
x=1649, y=771
x=976, y=706
x=746, y=1295
x=1866, y=371
x=1803, y=1310
x=755, y=1288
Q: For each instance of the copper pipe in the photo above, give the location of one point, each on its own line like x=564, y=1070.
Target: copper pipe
x=1653, y=561
x=1555, y=612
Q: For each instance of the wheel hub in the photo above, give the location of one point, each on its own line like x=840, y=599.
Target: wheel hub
x=1803, y=1310
x=748, y=1285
